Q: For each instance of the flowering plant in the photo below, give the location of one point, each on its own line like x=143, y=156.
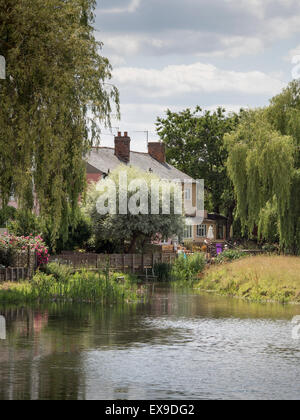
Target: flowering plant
x=10, y=243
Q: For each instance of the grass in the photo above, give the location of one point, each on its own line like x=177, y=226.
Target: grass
x=185, y=270
x=59, y=284
x=259, y=279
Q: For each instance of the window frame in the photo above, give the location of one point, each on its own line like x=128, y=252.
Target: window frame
x=188, y=194
x=190, y=227
x=204, y=230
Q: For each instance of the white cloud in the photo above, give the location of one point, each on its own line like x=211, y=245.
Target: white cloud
x=281, y=28
x=117, y=60
x=210, y=28
x=183, y=42
x=130, y=8
x=293, y=53
x=123, y=45
x=177, y=80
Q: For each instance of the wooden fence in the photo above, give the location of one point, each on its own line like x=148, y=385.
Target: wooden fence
x=23, y=266
x=133, y=263
x=14, y=274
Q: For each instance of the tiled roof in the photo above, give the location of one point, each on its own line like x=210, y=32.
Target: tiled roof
x=104, y=159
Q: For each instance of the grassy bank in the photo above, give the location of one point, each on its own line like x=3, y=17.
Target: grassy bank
x=59, y=284
x=260, y=279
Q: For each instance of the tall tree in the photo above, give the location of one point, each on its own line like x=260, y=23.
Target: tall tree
x=54, y=85
x=195, y=145
x=284, y=115
x=261, y=165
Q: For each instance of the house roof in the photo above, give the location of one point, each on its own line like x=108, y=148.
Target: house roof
x=105, y=160
x=215, y=216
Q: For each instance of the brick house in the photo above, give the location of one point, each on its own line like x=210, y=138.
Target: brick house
x=102, y=160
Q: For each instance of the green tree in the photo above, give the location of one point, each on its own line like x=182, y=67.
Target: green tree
x=284, y=115
x=7, y=213
x=261, y=165
x=52, y=102
x=25, y=223
x=195, y=145
x=127, y=229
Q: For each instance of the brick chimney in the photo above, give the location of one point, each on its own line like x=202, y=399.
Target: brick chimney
x=157, y=151
x=122, y=147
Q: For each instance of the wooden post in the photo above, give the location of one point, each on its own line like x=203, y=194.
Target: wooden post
x=133, y=263
x=29, y=259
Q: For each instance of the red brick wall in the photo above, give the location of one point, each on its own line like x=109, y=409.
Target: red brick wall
x=122, y=147
x=93, y=177
x=157, y=151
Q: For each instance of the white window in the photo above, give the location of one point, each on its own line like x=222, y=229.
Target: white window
x=188, y=232
x=201, y=231
x=188, y=194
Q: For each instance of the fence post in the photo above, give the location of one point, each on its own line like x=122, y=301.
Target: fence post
x=143, y=263
x=29, y=259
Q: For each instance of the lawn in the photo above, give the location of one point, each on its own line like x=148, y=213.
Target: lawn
x=261, y=278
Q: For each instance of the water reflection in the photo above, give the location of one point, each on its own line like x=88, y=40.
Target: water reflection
x=178, y=345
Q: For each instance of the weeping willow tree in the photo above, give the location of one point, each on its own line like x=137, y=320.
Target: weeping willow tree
x=51, y=104
x=261, y=165
x=284, y=115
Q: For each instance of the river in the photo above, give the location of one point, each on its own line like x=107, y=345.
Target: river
x=177, y=345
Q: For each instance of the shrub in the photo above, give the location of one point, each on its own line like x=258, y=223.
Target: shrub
x=60, y=272
x=7, y=213
x=10, y=244
x=229, y=255
x=75, y=237
x=271, y=248
x=6, y=256
x=163, y=271
x=186, y=268
x=25, y=223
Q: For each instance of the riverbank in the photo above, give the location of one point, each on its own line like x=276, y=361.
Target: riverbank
x=259, y=279
x=58, y=283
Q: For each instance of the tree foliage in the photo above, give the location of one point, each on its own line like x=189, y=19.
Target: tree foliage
x=284, y=114
x=55, y=83
x=195, y=145
x=261, y=165
x=7, y=213
x=126, y=230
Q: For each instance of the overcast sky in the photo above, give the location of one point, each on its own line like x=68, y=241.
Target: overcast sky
x=182, y=53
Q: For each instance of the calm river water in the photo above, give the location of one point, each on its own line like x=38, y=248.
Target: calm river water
x=179, y=345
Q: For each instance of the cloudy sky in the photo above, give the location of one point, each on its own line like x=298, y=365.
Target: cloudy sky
x=181, y=53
